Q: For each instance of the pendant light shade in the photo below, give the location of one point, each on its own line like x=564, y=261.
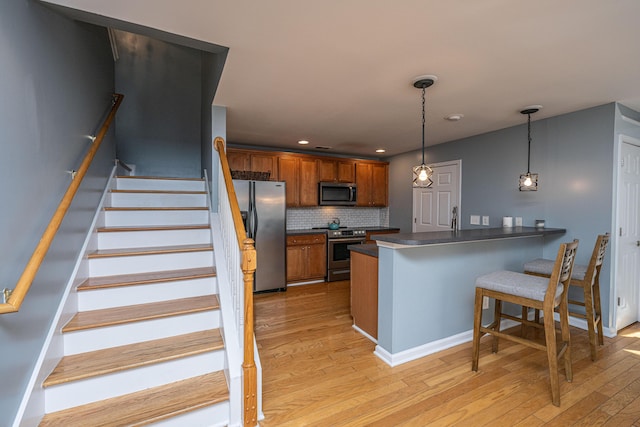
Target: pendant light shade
x=529, y=181
x=422, y=173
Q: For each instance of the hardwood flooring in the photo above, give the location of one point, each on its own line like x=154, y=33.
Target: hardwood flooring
x=318, y=371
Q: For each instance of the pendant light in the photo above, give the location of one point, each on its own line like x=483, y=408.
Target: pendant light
x=422, y=174
x=529, y=181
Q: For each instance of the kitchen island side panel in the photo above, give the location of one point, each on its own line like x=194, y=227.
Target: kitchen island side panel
x=426, y=293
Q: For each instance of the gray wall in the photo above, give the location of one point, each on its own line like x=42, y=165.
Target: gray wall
x=573, y=153
x=57, y=80
x=159, y=128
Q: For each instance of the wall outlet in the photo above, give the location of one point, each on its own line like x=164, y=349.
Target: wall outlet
x=485, y=303
x=518, y=221
x=485, y=220
x=475, y=220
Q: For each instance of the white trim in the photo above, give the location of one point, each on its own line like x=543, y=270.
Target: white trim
x=26, y=404
x=365, y=334
x=630, y=120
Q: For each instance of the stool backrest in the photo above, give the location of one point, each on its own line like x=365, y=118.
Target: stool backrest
x=562, y=270
x=597, y=257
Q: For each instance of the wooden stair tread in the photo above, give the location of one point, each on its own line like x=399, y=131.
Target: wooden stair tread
x=146, y=278
x=135, y=313
x=160, y=191
x=147, y=406
x=152, y=250
x=169, y=178
x=153, y=228
x=114, y=359
x=156, y=208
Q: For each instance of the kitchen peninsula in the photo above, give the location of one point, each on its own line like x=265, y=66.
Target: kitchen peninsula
x=426, y=283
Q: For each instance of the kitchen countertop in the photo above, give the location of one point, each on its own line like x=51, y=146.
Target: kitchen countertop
x=324, y=230
x=471, y=235
x=370, y=249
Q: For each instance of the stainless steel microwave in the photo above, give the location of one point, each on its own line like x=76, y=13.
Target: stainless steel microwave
x=337, y=194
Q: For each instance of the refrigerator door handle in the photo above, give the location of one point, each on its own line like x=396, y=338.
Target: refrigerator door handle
x=253, y=210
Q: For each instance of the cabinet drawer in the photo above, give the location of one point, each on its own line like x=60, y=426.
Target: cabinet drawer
x=306, y=239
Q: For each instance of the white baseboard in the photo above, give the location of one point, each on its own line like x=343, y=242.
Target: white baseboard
x=395, y=359
x=365, y=334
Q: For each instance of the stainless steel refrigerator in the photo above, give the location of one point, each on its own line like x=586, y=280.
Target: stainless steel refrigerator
x=262, y=204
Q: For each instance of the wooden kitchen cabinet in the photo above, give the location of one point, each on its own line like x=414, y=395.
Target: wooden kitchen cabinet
x=253, y=161
x=306, y=257
x=301, y=175
x=333, y=170
x=372, y=180
x=364, y=292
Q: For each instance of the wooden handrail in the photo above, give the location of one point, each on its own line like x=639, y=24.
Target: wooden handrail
x=249, y=371
x=16, y=296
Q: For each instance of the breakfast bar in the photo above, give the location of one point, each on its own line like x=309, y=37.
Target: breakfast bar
x=425, y=292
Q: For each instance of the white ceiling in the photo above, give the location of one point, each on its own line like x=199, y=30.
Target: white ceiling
x=339, y=72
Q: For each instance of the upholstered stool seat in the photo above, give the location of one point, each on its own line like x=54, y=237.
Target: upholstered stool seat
x=518, y=284
x=545, y=267
x=541, y=293
x=586, y=277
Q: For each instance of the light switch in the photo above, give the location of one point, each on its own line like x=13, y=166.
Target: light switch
x=485, y=220
x=475, y=220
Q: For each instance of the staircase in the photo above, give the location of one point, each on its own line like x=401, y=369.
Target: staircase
x=145, y=345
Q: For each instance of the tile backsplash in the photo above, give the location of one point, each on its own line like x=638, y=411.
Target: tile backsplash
x=305, y=218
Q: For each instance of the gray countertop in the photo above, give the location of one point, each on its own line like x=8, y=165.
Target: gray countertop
x=370, y=249
x=471, y=235
x=323, y=231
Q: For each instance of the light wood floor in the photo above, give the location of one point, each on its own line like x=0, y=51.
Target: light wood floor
x=318, y=371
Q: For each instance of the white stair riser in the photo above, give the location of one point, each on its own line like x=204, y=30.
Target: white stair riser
x=159, y=184
x=81, y=392
x=147, y=218
x=149, y=263
x=133, y=200
x=117, y=335
x=211, y=416
x=145, y=239
x=98, y=299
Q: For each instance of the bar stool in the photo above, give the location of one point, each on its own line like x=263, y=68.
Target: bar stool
x=588, y=278
x=530, y=291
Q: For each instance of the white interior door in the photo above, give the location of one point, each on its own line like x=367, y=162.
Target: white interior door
x=628, y=240
x=433, y=206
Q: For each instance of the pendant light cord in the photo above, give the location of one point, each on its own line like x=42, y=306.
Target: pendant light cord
x=529, y=138
x=424, y=88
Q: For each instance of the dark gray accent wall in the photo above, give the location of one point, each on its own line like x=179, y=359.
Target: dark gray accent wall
x=56, y=83
x=573, y=153
x=159, y=128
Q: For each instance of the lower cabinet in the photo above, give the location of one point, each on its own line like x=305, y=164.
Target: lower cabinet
x=306, y=257
x=364, y=292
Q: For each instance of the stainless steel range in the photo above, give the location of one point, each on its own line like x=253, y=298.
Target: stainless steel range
x=338, y=256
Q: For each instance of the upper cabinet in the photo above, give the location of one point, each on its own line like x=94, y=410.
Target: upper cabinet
x=372, y=179
x=336, y=170
x=253, y=161
x=303, y=172
x=301, y=176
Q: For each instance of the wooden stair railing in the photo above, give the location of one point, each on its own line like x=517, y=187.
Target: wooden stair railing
x=12, y=299
x=248, y=265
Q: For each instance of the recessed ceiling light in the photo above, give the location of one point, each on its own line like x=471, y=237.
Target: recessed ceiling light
x=303, y=142
x=454, y=117
x=381, y=150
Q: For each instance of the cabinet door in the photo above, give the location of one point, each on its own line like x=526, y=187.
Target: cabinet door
x=317, y=261
x=238, y=160
x=288, y=171
x=308, y=185
x=346, y=171
x=296, y=263
x=379, y=183
x=327, y=170
x=265, y=163
x=363, y=180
